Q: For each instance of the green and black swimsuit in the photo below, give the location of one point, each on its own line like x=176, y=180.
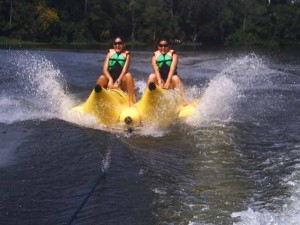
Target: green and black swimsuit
x=164, y=61
x=116, y=63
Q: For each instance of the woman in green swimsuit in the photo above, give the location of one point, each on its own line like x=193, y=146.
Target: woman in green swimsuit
x=164, y=64
x=115, y=70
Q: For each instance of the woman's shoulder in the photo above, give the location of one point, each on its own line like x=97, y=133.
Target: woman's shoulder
x=111, y=51
x=172, y=51
x=156, y=53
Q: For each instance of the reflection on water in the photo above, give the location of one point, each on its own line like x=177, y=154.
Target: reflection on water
x=197, y=178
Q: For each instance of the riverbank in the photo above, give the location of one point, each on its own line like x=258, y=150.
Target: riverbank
x=8, y=43
x=87, y=45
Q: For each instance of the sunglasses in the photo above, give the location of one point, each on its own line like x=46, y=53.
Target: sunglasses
x=163, y=45
x=118, y=43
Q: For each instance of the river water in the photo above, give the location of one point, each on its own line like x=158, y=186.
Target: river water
x=236, y=161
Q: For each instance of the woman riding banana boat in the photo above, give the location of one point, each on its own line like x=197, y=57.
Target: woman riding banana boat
x=164, y=63
x=115, y=70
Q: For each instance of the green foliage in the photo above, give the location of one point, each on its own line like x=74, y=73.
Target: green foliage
x=46, y=24
x=214, y=22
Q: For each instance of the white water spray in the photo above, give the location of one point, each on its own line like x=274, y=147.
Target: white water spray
x=289, y=214
x=41, y=93
x=224, y=92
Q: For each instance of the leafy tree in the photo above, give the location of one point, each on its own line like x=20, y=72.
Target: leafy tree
x=134, y=7
x=22, y=18
x=3, y=18
x=98, y=21
x=46, y=25
x=232, y=22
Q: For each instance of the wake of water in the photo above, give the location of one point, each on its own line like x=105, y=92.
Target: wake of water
x=289, y=214
x=42, y=94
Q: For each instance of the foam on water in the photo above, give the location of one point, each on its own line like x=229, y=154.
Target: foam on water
x=217, y=101
x=289, y=214
x=40, y=93
x=140, y=86
x=223, y=93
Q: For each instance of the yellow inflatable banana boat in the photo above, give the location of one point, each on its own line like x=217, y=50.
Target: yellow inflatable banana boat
x=105, y=104
x=156, y=107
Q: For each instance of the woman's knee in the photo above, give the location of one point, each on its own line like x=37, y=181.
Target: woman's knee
x=102, y=80
x=176, y=81
x=176, y=78
x=128, y=76
x=152, y=77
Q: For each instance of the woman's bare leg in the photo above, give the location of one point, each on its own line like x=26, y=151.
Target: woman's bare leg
x=152, y=78
x=128, y=85
x=102, y=81
x=176, y=82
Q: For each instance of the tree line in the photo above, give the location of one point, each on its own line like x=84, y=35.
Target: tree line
x=213, y=22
